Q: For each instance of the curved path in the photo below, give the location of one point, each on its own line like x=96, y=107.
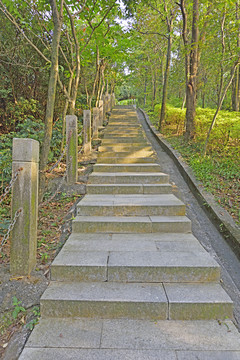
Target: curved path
x=132, y=281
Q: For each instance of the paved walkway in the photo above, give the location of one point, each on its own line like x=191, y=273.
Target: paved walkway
x=132, y=282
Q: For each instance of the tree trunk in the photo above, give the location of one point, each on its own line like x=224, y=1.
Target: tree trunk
x=145, y=92
x=187, y=57
x=236, y=91
x=65, y=111
x=165, y=82
x=192, y=79
x=184, y=102
x=203, y=99
x=75, y=82
x=236, y=80
x=52, y=84
x=96, y=78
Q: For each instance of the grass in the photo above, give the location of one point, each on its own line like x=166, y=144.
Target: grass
x=219, y=171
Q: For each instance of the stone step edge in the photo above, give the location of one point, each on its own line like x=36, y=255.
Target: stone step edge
x=161, y=301
x=131, y=224
x=124, y=189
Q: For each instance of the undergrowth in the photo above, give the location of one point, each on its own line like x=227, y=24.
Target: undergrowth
x=219, y=171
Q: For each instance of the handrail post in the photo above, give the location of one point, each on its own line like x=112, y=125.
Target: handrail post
x=87, y=146
x=23, y=246
x=72, y=149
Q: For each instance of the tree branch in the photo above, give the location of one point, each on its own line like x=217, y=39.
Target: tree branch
x=151, y=33
x=10, y=17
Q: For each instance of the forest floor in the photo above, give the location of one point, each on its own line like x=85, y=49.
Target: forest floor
x=219, y=170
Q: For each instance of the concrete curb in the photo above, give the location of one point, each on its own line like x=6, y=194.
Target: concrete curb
x=219, y=216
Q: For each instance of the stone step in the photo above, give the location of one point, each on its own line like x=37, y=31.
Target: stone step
x=104, y=300
x=124, y=148
x=129, y=189
x=131, y=224
x=130, y=122
x=109, y=339
x=131, y=205
x=124, y=132
x=130, y=140
x=126, y=154
x=198, y=302
x=163, y=242
x=126, y=168
x=115, y=130
x=135, y=134
x=128, y=178
x=126, y=160
x=165, y=266
x=134, y=266
x=123, y=125
x=136, y=301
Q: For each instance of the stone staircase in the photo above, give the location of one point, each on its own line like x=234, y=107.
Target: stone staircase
x=131, y=255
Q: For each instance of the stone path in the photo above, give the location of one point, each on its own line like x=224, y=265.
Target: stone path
x=132, y=282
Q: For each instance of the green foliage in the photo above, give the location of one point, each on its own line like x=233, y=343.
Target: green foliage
x=27, y=119
x=219, y=171
x=36, y=315
x=225, y=133
x=17, y=307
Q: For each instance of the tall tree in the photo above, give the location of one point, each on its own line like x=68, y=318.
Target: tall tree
x=45, y=148
x=191, y=64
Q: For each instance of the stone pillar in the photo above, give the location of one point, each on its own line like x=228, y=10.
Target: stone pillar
x=109, y=103
x=100, y=113
x=72, y=149
x=25, y=155
x=113, y=100
x=87, y=146
x=95, y=122
x=104, y=99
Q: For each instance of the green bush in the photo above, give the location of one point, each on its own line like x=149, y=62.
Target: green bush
x=28, y=124
x=220, y=169
x=225, y=131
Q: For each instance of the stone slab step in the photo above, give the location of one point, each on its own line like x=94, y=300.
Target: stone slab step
x=142, y=266
x=110, y=354
x=122, y=121
x=109, y=339
x=125, y=154
x=131, y=159
x=128, y=178
x=131, y=224
x=198, y=302
x=134, y=266
x=124, y=131
x=104, y=300
x=124, y=148
x=126, y=168
x=129, y=140
x=80, y=266
x=131, y=205
x=121, y=125
x=163, y=242
x=120, y=134
x=136, y=301
x=129, y=189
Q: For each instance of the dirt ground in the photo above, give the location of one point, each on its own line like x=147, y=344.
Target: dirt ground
x=20, y=296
